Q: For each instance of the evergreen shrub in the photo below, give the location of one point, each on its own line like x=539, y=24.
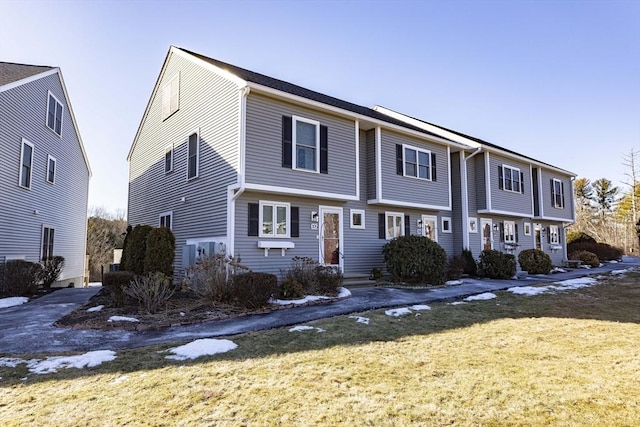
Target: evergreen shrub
x=135, y=249
x=579, y=237
x=415, y=259
x=587, y=258
x=470, y=265
x=327, y=281
x=604, y=251
x=496, y=265
x=19, y=278
x=535, y=261
x=160, y=251
x=116, y=282
x=253, y=290
x=455, y=267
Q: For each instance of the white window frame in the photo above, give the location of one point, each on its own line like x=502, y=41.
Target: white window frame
x=294, y=144
x=554, y=235
x=417, y=150
x=360, y=212
x=445, y=219
x=393, y=215
x=434, y=220
x=167, y=95
x=527, y=229
x=55, y=114
x=25, y=142
x=274, y=212
x=169, y=150
x=509, y=232
x=197, y=133
x=511, y=181
x=45, y=227
x=557, y=196
x=165, y=215
x=55, y=168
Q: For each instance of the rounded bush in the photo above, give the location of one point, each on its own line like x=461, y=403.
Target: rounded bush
x=588, y=258
x=415, y=259
x=470, y=265
x=19, y=278
x=160, y=251
x=116, y=282
x=603, y=251
x=253, y=290
x=497, y=265
x=579, y=237
x=535, y=261
x=135, y=250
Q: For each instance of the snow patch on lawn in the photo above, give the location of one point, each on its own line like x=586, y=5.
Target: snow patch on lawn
x=201, y=347
x=530, y=290
x=359, y=319
x=343, y=293
x=397, y=312
x=616, y=272
x=122, y=319
x=564, y=285
x=419, y=307
x=557, y=270
x=613, y=261
x=301, y=328
x=457, y=303
x=96, y=308
x=52, y=364
x=481, y=297
x=11, y=362
x=453, y=282
x=581, y=282
x=12, y=301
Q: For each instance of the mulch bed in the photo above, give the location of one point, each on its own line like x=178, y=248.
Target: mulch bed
x=184, y=308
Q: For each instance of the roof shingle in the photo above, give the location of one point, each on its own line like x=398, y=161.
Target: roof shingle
x=11, y=72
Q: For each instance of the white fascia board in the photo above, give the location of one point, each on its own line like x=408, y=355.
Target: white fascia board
x=551, y=218
x=298, y=192
x=378, y=144
x=487, y=180
x=408, y=204
x=29, y=79
x=449, y=170
x=350, y=114
x=357, y=132
x=505, y=213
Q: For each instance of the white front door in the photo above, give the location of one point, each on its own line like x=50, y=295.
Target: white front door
x=331, y=248
x=486, y=225
x=429, y=227
x=537, y=230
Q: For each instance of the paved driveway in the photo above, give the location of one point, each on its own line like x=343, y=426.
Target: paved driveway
x=28, y=328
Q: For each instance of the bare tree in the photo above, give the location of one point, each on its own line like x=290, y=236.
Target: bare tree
x=104, y=234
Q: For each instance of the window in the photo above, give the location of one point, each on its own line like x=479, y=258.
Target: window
x=51, y=169
x=47, y=242
x=168, y=159
x=473, y=225
x=54, y=114
x=166, y=220
x=510, y=179
x=171, y=97
x=557, y=193
x=430, y=227
x=193, y=155
x=274, y=220
x=395, y=225
x=417, y=162
x=554, y=235
x=306, y=141
x=446, y=224
x=509, y=232
x=357, y=218
x=527, y=229
x=26, y=161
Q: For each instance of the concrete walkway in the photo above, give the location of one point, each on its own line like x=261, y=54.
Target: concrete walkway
x=28, y=328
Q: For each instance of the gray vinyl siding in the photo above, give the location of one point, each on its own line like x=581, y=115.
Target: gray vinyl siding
x=479, y=179
x=504, y=200
x=264, y=148
x=210, y=104
x=409, y=189
x=370, y=144
x=548, y=209
x=456, y=202
x=62, y=205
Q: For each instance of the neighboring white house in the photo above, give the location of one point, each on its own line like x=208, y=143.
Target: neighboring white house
x=44, y=171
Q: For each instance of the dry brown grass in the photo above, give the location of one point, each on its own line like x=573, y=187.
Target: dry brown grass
x=564, y=359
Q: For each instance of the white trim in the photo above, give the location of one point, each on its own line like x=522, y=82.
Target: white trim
x=298, y=192
x=472, y=219
x=378, y=163
x=167, y=149
x=491, y=237
x=357, y=132
x=29, y=79
x=553, y=193
x=487, y=177
x=407, y=204
x=275, y=244
x=417, y=150
x=551, y=218
x=331, y=209
x=527, y=225
x=220, y=71
x=362, y=215
x=557, y=233
x=42, y=239
x=429, y=218
x=507, y=213
x=25, y=142
x=168, y=85
x=242, y=126
x=504, y=181
x=197, y=132
x=274, y=219
x=388, y=214
x=505, y=225
x=449, y=174
x=442, y=222
x=165, y=214
x=46, y=116
x=294, y=143
x=55, y=168
x=540, y=196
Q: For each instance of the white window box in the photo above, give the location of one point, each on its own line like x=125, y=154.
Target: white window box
x=283, y=246
x=510, y=246
x=555, y=247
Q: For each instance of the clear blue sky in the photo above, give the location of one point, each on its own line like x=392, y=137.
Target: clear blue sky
x=555, y=80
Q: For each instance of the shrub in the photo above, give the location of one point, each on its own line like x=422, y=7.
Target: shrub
x=212, y=277
x=496, y=265
x=535, y=261
x=588, y=258
x=415, y=259
x=125, y=250
x=290, y=288
x=116, y=282
x=455, y=267
x=253, y=290
x=327, y=280
x=604, y=251
x=50, y=271
x=470, y=265
x=303, y=271
x=19, y=278
x=151, y=291
x=579, y=237
x=160, y=251
x=136, y=249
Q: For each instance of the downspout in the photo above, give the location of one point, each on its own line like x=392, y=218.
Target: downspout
x=465, y=196
x=234, y=191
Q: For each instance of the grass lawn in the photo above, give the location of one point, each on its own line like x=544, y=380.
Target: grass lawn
x=571, y=358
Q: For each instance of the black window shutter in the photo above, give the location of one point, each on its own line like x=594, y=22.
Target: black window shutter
x=324, y=149
x=516, y=227
x=433, y=167
x=381, y=227
x=522, y=182
x=502, y=231
x=286, y=141
x=500, y=178
x=562, y=193
x=295, y=221
x=253, y=219
x=407, y=225
x=549, y=235
x=399, y=168
x=553, y=193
